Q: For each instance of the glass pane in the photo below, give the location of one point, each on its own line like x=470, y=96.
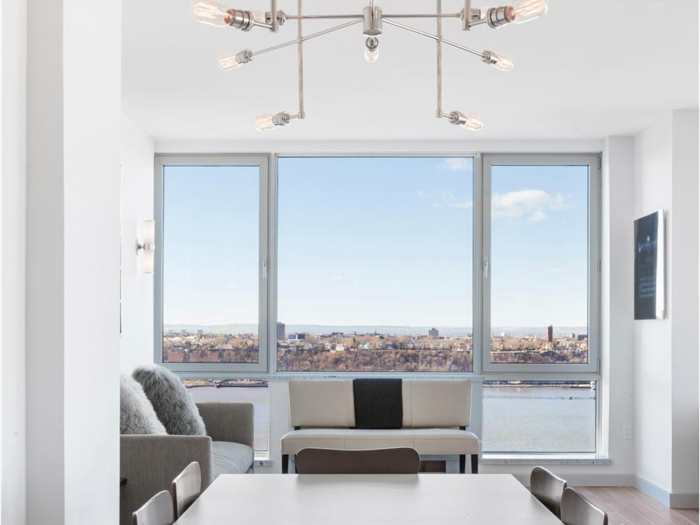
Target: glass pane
x=210, y=264
x=238, y=391
x=539, y=264
x=375, y=264
x=539, y=416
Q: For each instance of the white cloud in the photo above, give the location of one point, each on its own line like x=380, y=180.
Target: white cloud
x=532, y=205
x=456, y=164
x=421, y=194
x=451, y=201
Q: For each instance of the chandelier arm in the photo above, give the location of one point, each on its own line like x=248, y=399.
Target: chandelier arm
x=396, y=15
x=274, y=22
x=306, y=38
x=322, y=17
x=428, y=35
x=425, y=15
x=300, y=48
x=439, y=60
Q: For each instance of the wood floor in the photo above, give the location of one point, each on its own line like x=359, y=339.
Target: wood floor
x=628, y=506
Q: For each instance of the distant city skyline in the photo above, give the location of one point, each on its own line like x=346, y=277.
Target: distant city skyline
x=354, y=231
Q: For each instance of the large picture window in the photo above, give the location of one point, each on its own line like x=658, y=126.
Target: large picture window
x=374, y=264
x=388, y=264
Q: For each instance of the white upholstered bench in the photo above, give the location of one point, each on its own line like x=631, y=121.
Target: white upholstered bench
x=435, y=418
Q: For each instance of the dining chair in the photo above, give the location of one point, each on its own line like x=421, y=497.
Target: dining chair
x=577, y=510
x=402, y=460
x=547, y=488
x=156, y=511
x=187, y=487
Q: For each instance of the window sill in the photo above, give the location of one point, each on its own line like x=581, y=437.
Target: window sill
x=262, y=461
x=545, y=459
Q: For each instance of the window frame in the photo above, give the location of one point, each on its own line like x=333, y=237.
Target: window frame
x=267, y=365
x=594, y=261
x=262, y=161
x=476, y=243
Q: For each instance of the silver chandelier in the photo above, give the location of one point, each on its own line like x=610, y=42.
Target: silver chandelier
x=372, y=18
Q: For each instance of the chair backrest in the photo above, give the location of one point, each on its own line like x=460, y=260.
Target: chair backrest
x=187, y=487
x=156, y=511
x=426, y=404
x=402, y=460
x=547, y=488
x=577, y=510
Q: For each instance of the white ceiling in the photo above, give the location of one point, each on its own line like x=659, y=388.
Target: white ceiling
x=588, y=69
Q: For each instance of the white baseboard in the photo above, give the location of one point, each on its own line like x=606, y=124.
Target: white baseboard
x=670, y=499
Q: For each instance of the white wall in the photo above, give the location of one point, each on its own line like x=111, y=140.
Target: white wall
x=12, y=259
x=666, y=351
x=73, y=115
x=137, y=205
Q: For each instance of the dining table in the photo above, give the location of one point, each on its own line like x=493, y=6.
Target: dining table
x=372, y=499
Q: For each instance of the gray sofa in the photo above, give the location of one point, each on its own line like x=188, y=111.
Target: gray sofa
x=149, y=463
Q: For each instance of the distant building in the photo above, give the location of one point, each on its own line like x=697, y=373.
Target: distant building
x=200, y=333
x=550, y=334
x=434, y=332
x=582, y=337
x=297, y=337
x=572, y=336
x=281, y=331
x=183, y=332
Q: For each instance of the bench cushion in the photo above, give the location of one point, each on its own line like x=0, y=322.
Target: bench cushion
x=442, y=441
x=230, y=458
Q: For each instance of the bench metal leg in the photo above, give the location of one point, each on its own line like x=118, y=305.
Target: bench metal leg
x=285, y=463
x=462, y=464
x=475, y=463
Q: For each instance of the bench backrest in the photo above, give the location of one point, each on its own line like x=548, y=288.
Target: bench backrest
x=426, y=404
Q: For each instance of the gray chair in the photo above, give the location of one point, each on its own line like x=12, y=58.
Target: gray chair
x=187, y=487
x=380, y=461
x=156, y=511
x=547, y=488
x=577, y=510
x=150, y=463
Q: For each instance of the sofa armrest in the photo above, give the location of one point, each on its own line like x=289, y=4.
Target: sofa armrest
x=150, y=463
x=229, y=421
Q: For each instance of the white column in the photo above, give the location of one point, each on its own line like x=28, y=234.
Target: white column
x=73, y=140
x=13, y=181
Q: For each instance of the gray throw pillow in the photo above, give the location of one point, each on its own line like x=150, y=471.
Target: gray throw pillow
x=171, y=401
x=136, y=412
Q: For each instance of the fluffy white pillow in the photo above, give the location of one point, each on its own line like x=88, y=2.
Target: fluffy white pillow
x=137, y=415
x=171, y=401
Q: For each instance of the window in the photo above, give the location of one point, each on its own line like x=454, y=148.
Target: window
x=213, y=230
x=540, y=261
x=367, y=264
x=539, y=417
x=374, y=264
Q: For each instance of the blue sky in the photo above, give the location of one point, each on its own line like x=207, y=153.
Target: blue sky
x=376, y=241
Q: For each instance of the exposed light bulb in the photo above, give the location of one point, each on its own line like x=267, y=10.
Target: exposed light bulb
x=213, y=13
x=500, y=62
x=270, y=121
x=464, y=121
x=526, y=10
x=371, y=49
x=472, y=123
x=230, y=62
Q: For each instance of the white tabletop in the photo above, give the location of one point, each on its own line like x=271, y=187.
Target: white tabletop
x=444, y=499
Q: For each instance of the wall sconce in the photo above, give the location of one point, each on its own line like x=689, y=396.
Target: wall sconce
x=146, y=246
